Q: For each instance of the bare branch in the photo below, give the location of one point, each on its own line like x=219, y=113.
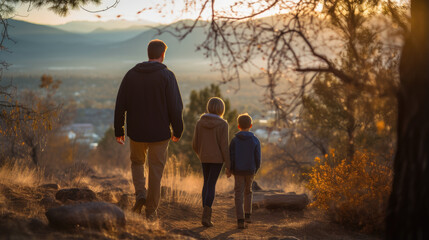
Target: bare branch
x=251, y=15
x=114, y=5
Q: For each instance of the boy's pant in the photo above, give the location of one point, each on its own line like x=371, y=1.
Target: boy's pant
x=156, y=153
x=243, y=191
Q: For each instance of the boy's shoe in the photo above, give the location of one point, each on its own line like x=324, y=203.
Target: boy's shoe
x=241, y=224
x=207, y=217
x=247, y=218
x=138, y=205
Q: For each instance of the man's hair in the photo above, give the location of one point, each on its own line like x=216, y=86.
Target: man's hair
x=156, y=48
x=244, y=121
x=216, y=105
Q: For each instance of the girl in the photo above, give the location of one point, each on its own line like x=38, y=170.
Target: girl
x=210, y=142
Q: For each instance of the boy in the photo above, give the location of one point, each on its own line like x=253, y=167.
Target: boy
x=245, y=157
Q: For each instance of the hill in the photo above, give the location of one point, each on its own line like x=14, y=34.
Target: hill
x=40, y=48
x=89, y=26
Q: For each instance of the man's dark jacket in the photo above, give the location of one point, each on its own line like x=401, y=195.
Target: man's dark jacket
x=150, y=97
x=245, y=153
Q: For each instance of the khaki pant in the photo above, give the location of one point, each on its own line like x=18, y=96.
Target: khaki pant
x=243, y=193
x=156, y=153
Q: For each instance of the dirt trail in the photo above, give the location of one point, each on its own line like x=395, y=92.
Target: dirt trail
x=267, y=224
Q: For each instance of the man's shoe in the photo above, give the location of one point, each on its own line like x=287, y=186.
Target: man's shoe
x=241, y=224
x=247, y=218
x=138, y=205
x=151, y=216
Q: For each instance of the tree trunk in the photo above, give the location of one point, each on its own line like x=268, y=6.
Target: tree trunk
x=351, y=122
x=34, y=154
x=408, y=212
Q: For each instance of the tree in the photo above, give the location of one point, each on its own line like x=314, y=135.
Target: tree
x=345, y=41
x=340, y=116
x=197, y=106
x=110, y=154
x=408, y=213
x=304, y=39
x=14, y=115
x=25, y=129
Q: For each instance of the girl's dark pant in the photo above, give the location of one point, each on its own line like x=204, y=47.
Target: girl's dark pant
x=211, y=173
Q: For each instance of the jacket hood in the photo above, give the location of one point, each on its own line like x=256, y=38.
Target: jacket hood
x=209, y=120
x=244, y=135
x=149, y=67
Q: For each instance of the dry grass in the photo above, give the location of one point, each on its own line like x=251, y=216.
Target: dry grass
x=184, y=186
x=20, y=174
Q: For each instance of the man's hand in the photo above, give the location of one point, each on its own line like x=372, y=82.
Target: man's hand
x=175, y=139
x=121, y=140
x=228, y=173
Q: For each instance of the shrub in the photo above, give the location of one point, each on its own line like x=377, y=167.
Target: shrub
x=353, y=193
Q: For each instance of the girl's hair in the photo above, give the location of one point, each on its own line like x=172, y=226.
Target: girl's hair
x=216, y=106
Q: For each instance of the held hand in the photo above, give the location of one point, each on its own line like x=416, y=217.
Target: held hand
x=228, y=173
x=175, y=139
x=120, y=140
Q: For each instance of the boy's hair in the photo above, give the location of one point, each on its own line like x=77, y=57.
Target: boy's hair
x=216, y=105
x=156, y=48
x=244, y=121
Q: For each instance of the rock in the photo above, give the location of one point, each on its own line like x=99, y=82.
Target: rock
x=50, y=186
x=76, y=194
x=107, y=196
x=35, y=225
x=283, y=201
x=94, y=215
x=107, y=184
x=283, y=238
x=116, y=189
x=256, y=187
x=49, y=202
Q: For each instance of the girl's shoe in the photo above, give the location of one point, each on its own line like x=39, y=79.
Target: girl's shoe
x=241, y=224
x=207, y=217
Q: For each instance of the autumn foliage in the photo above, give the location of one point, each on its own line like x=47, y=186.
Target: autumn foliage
x=353, y=193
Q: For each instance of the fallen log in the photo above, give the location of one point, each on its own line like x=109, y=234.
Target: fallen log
x=288, y=201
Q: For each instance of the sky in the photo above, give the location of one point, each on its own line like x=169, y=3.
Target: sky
x=125, y=9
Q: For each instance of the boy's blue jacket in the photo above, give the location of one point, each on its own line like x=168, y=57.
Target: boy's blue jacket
x=245, y=153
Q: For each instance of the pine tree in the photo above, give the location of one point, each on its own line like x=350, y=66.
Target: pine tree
x=195, y=108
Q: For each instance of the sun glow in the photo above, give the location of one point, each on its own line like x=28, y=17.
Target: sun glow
x=156, y=11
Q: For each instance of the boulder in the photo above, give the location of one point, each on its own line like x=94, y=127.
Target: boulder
x=107, y=196
x=283, y=238
x=35, y=225
x=93, y=215
x=76, y=194
x=289, y=201
x=49, y=202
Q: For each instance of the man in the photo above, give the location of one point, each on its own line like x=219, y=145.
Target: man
x=149, y=99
